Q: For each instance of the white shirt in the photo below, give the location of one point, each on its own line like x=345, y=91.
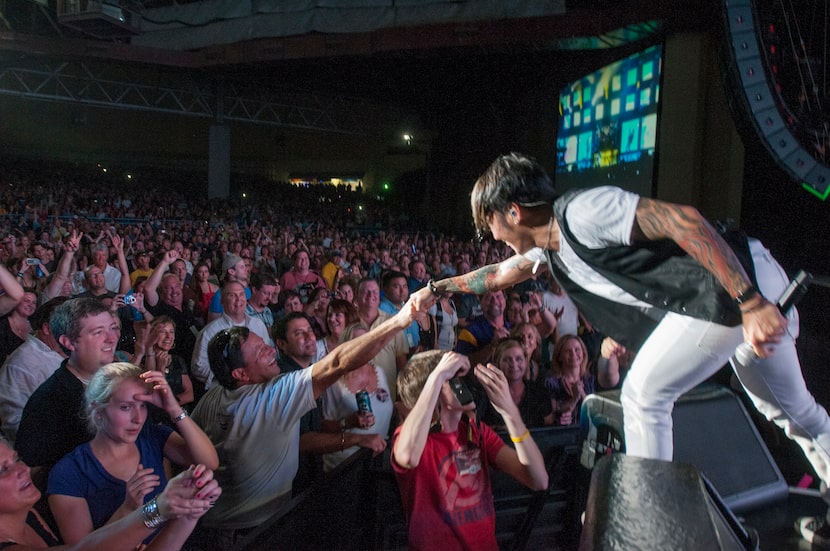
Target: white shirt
x=24, y=370
x=598, y=218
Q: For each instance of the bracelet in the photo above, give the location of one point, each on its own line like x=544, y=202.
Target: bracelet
x=746, y=295
x=522, y=438
x=20, y=275
x=433, y=289
x=761, y=303
x=179, y=417
x=151, y=516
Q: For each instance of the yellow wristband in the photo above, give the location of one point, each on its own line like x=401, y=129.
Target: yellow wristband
x=522, y=438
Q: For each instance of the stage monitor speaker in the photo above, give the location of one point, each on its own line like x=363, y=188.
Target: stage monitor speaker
x=636, y=503
x=712, y=431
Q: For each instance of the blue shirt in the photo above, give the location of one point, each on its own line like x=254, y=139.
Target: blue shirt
x=80, y=474
x=413, y=337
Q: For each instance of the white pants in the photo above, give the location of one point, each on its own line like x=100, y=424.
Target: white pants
x=683, y=352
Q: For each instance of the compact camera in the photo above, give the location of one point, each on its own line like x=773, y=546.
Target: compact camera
x=461, y=390
x=129, y=299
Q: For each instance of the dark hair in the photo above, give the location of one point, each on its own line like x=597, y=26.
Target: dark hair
x=225, y=354
x=315, y=293
x=44, y=312
x=341, y=306
x=280, y=328
x=512, y=178
x=389, y=276
x=259, y=280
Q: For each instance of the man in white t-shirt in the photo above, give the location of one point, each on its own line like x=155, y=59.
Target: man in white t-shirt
x=253, y=418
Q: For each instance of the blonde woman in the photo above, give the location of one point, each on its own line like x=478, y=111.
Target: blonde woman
x=121, y=468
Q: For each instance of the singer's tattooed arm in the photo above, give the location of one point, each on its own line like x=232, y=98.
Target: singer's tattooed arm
x=763, y=324
x=489, y=278
x=689, y=229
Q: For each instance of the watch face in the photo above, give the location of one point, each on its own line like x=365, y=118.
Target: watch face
x=461, y=390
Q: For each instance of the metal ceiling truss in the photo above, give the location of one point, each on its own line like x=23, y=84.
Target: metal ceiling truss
x=81, y=83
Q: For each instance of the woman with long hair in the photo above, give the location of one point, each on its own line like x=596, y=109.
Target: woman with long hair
x=569, y=381
x=203, y=287
x=530, y=397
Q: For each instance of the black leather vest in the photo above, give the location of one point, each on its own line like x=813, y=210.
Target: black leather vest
x=658, y=273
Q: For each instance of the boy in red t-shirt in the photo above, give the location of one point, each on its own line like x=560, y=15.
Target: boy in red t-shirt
x=441, y=455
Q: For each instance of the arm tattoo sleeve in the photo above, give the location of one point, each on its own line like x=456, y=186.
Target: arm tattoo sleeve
x=694, y=234
x=489, y=278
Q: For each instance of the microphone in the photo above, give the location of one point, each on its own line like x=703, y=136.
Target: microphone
x=795, y=291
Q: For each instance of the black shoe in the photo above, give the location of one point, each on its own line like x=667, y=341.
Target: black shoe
x=814, y=530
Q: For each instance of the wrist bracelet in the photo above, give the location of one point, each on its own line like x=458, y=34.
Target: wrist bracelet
x=151, y=516
x=433, y=289
x=746, y=295
x=179, y=417
x=757, y=306
x=20, y=275
x=522, y=438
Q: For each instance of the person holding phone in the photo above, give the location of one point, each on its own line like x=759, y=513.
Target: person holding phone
x=441, y=454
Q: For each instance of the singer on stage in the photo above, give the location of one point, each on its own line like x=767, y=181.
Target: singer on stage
x=658, y=278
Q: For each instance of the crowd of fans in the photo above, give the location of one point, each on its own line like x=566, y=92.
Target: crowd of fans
x=148, y=273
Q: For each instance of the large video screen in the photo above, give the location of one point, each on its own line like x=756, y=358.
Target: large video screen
x=607, y=132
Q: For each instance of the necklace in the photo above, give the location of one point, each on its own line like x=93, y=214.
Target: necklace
x=547, y=244
x=550, y=231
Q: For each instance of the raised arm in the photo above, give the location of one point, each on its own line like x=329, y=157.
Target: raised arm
x=118, y=243
x=189, y=444
x=524, y=462
x=151, y=296
x=70, y=246
x=410, y=442
x=356, y=352
x=489, y=278
x=763, y=324
x=13, y=291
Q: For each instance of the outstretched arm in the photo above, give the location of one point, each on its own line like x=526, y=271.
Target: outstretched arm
x=763, y=324
x=356, y=352
x=489, y=278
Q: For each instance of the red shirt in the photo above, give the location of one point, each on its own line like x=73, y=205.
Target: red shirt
x=448, y=498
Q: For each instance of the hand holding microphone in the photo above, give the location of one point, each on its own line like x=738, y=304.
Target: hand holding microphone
x=745, y=353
